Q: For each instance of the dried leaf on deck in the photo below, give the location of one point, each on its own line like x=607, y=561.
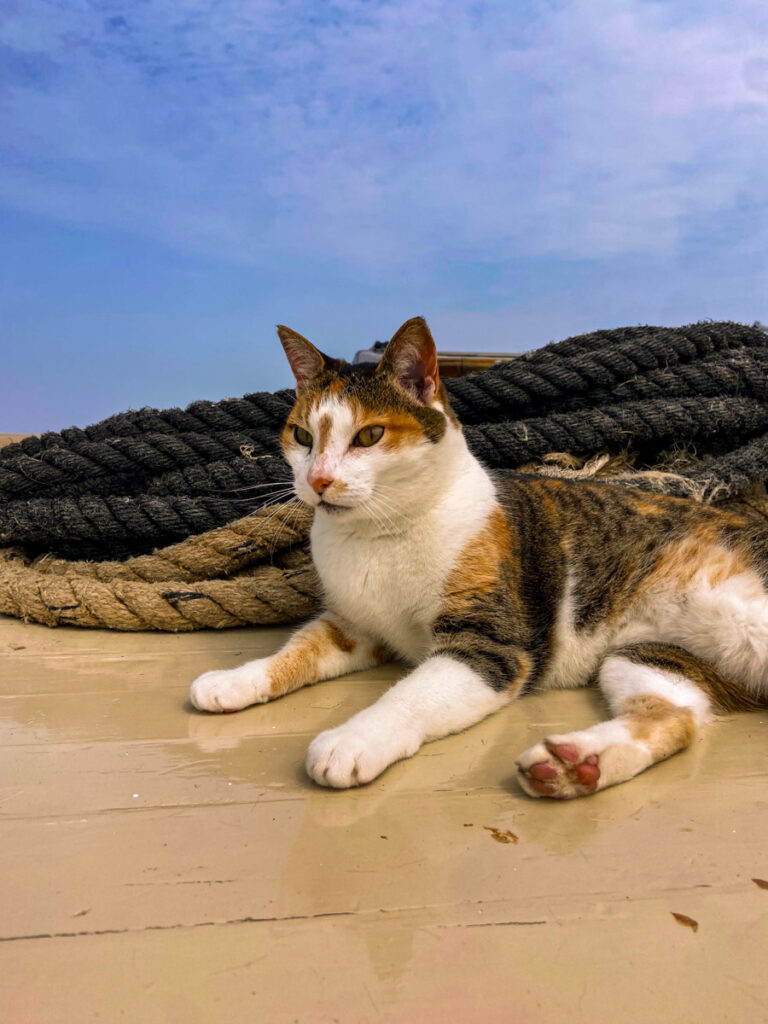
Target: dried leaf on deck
x=501, y=836
x=688, y=922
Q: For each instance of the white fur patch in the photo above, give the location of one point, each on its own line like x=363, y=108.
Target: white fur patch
x=386, y=573
x=441, y=696
x=575, y=653
x=725, y=625
x=621, y=679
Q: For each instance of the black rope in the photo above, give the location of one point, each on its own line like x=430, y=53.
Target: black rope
x=149, y=478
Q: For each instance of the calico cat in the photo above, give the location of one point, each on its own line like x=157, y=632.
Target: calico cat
x=492, y=587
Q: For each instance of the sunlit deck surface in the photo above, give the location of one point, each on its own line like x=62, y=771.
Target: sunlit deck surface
x=162, y=865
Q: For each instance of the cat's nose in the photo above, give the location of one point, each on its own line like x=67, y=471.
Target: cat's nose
x=319, y=483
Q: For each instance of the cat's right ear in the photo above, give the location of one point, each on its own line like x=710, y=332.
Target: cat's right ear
x=306, y=361
x=411, y=358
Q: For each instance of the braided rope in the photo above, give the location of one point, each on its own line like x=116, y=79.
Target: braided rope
x=206, y=582
x=651, y=425
x=119, y=457
x=198, y=498
x=589, y=367
x=176, y=480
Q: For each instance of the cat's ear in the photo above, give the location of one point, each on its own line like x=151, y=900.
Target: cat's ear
x=306, y=361
x=411, y=357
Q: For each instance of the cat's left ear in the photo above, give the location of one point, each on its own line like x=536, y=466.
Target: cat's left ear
x=306, y=361
x=411, y=357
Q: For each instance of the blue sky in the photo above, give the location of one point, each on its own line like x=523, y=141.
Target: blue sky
x=177, y=176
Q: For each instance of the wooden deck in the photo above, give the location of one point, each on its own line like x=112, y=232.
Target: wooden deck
x=161, y=865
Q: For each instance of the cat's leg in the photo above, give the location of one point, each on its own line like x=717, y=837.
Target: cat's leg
x=659, y=695
x=322, y=649
x=443, y=695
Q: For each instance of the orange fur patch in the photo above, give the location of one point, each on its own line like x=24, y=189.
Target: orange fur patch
x=400, y=430
x=525, y=667
x=663, y=726
x=477, y=567
x=550, y=499
x=338, y=638
x=298, y=417
x=298, y=663
x=287, y=440
x=649, y=508
x=700, y=552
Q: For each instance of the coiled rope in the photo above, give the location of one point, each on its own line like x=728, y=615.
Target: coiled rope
x=81, y=509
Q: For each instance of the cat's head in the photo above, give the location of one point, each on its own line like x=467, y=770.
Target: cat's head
x=366, y=441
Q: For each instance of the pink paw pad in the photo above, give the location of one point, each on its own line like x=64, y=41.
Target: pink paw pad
x=583, y=770
x=542, y=771
x=566, y=752
x=540, y=776
x=588, y=772
x=567, y=774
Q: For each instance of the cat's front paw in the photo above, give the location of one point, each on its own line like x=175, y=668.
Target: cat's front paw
x=351, y=755
x=559, y=768
x=230, y=689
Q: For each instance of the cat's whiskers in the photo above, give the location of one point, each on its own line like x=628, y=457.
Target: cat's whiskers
x=370, y=511
x=274, y=514
x=382, y=519
x=291, y=509
x=265, y=499
x=256, y=487
x=383, y=516
x=382, y=492
x=272, y=494
x=297, y=506
x=276, y=505
x=397, y=519
x=396, y=510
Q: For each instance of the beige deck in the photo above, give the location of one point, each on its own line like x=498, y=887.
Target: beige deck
x=160, y=865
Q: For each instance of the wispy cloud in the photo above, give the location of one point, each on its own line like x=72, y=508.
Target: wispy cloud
x=377, y=134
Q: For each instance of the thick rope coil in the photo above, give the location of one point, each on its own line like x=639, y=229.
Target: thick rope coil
x=176, y=480
x=266, y=596
x=207, y=582
x=92, y=525
x=192, y=463
x=648, y=427
x=589, y=366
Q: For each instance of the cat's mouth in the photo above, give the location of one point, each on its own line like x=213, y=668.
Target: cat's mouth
x=328, y=506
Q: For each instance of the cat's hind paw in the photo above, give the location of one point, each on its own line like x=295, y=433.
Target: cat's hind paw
x=229, y=689
x=557, y=768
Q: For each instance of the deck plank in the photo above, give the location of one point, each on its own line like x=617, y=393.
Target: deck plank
x=586, y=961
x=181, y=866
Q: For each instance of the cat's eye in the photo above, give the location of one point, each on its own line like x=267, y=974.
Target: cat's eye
x=368, y=436
x=303, y=436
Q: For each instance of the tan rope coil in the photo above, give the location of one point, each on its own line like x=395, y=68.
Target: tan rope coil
x=254, y=570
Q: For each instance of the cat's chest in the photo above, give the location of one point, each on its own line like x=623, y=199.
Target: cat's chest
x=389, y=588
